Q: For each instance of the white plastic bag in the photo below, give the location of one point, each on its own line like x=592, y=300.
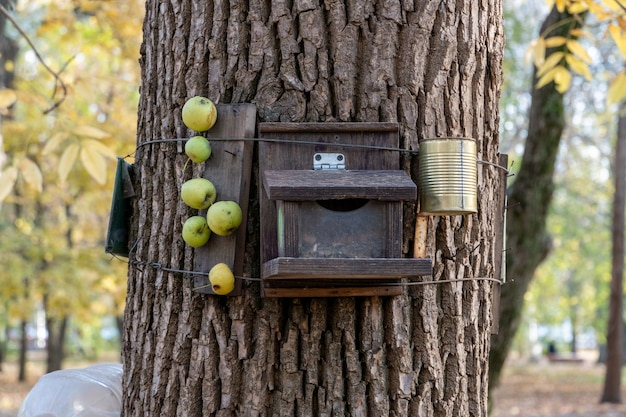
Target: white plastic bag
x=94, y=391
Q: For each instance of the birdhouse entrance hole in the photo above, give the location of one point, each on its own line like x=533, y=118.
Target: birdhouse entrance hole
x=350, y=204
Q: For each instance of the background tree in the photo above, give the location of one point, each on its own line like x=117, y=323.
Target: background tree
x=529, y=198
x=615, y=325
x=8, y=51
x=57, y=180
x=558, y=55
x=433, y=67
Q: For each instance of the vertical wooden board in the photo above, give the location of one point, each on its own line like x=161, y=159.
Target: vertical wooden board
x=500, y=261
x=393, y=245
x=229, y=168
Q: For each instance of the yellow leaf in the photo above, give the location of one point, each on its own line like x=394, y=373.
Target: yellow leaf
x=68, y=158
x=7, y=98
x=561, y=4
x=595, y=8
x=54, y=142
x=552, y=61
x=562, y=79
x=619, y=38
x=578, y=66
x=576, y=8
x=31, y=173
x=602, y=16
x=617, y=89
x=98, y=147
x=554, y=41
x=580, y=33
x=546, y=78
x=90, y=132
x=577, y=49
x=94, y=163
x=538, y=51
x=7, y=181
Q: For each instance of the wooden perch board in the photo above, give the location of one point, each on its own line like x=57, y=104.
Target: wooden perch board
x=229, y=168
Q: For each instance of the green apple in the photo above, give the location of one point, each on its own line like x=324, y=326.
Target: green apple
x=196, y=232
x=198, y=193
x=199, y=114
x=198, y=149
x=224, y=217
x=222, y=279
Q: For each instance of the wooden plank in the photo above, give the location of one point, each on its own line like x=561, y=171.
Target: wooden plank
x=332, y=127
x=229, y=168
x=311, y=185
x=500, y=242
x=344, y=268
x=381, y=290
x=290, y=230
x=393, y=245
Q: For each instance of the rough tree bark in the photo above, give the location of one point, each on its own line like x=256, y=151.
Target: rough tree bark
x=432, y=66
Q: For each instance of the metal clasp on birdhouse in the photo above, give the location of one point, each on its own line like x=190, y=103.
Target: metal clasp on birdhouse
x=323, y=161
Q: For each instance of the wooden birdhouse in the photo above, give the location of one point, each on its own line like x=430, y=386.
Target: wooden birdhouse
x=331, y=210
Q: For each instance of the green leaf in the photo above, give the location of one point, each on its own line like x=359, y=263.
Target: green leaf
x=94, y=163
x=7, y=181
x=68, y=158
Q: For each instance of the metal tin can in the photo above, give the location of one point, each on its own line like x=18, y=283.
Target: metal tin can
x=447, y=176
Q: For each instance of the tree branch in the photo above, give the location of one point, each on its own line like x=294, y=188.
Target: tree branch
x=55, y=74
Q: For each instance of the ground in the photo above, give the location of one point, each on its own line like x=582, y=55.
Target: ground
x=554, y=389
x=538, y=389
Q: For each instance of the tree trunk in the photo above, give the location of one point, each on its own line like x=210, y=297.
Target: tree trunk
x=55, y=348
x=614, y=332
x=8, y=52
x=433, y=67
x=529, y=199
x=23, y=349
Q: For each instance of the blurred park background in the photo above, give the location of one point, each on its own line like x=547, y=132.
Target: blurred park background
x=70, y=77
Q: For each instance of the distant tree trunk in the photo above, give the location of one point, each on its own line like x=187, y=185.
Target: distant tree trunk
x=529, y=198
x=614, y=332
x=432, y=66
x=23, y=348
x=55, y=348
x=8, y=52
x=56, y=326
